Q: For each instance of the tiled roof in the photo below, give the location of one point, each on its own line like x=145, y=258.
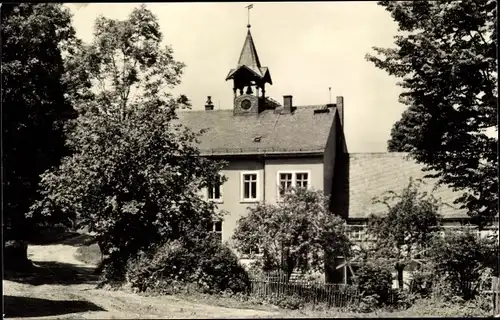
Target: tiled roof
x=371, y=174
x=301, y=131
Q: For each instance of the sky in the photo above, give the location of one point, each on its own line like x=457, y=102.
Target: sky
x=308, y=47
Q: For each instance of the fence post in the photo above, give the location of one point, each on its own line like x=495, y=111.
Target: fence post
x=495, y=288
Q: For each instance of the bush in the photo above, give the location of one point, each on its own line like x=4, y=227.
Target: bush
x=422, y=283
x=459, y=260
x=375, y=285
x=287, y=302
x=15, y=255
x=206, y=266
x=435, y=307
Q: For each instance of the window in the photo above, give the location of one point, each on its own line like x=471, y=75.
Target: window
x=356, y=232
x=249, y=186
x=217, y=230
x=214, y=192
x=287, y=180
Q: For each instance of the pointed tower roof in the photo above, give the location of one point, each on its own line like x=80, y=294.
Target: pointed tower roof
x=249, y=59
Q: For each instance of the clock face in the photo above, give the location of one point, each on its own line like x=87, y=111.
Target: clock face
x=246, y=104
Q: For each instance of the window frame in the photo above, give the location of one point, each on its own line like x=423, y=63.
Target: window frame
x=257, y=187
x=294, y=174
x=214, y=231
x=221, y=192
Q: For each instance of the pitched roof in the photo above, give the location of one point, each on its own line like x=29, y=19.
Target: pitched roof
x=249, y=59
x=301, y=131
x=372, y=174
x=248, y=55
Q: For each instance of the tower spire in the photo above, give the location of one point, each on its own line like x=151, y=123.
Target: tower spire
x=249, y=7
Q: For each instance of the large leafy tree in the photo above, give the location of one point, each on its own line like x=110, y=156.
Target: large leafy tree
x=297, y=234
x=135, y=172
x=35, y=106
x=445, y=55
x=401, y=236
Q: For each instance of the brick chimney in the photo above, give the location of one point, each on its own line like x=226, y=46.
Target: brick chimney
x=340, y=108
x=209, y=105
x=287, y=104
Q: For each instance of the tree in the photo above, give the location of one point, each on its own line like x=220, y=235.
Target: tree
x=298, y=233
x=445, y=55
x=35, y=108
x=406, y=230
x=135, y=172
x=459, y=258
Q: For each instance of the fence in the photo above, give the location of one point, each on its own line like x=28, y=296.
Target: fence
x=315, y=292
x=495, y=288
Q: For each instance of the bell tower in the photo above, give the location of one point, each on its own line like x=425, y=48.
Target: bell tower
x=249, y=79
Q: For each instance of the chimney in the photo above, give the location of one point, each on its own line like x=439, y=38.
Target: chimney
x=287, y=104
x=209, y=105
x=340, y=108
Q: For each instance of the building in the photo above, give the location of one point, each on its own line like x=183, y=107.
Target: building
x=267, y=144
x=270, y=145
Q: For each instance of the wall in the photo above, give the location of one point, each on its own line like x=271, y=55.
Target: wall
x=231, y=193
x=267, y=169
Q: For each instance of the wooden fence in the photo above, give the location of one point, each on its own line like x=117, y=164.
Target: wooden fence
x=315, y=292
x=495, y=288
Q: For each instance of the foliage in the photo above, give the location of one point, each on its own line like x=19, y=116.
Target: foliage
x=422, y=282
x=17, y=253
x=445, y=55
x=374, y=282
x=208, y=265
x=479, y=307
x=298, y=233
x=34, y=106
x=135, y=173
x=459, y=259
x=405, y=231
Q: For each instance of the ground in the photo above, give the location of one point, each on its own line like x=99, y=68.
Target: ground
x=64, y=288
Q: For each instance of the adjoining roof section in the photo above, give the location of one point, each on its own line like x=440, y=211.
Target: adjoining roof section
x=372, y=174
x=249, y=60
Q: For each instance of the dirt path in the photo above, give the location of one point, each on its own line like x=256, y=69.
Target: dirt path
x=65, y=289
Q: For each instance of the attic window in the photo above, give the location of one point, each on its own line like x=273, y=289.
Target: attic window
x=323, y=110
x=257, y=139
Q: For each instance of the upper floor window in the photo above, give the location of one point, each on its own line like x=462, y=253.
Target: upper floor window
x=249, y=187
x=214, y=191
x=287, y=180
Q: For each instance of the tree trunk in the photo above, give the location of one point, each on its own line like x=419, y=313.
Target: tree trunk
x=399, y=269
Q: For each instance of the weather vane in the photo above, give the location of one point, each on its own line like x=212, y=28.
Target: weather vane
x=249, y=7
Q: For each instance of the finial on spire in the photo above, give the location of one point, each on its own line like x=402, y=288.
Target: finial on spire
x=249, y=7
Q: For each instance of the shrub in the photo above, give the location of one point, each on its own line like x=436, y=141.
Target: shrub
x=15, y=253
x=374, y=283
x=479, y=307
x=422, y=283
x=459, y=259
x=206, y=266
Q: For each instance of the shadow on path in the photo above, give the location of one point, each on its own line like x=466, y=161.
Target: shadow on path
x=35, y=307
x=51, y=272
